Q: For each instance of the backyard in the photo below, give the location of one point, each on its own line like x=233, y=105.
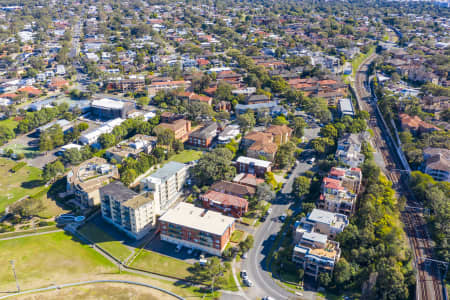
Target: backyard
x=14, y=186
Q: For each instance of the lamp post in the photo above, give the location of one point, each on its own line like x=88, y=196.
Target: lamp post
x=15, y=276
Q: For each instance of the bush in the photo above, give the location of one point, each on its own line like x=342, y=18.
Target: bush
x=18, y=167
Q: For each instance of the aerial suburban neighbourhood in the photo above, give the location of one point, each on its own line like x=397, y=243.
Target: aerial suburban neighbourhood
x=234, y=150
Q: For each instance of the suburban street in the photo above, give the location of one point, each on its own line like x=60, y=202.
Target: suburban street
x=256, y=263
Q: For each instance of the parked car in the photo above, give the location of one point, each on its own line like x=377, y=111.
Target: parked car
x=248, y=282
x=283, y=217
x=269, y=211
x=245, y=255
x=244, y=274
x=311, y=160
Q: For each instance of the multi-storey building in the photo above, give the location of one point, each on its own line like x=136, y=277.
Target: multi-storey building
x=85, y=180
x=225, y=203
x=203, y=137
x=254, y=166
x=180, y=128
x=437, y=163
x=320, y=221
x=166, y=184
x=340, y=190
x=316, y=254
x=133, y=213
x=196, y=228
x=110, y=109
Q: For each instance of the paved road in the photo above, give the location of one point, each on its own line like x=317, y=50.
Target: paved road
x=256, y=263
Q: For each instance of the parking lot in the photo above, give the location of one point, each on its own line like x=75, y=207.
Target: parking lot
x=168, y=249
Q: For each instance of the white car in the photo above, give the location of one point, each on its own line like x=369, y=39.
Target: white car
x=248, y=282
x=244, y=274
x=178, y=248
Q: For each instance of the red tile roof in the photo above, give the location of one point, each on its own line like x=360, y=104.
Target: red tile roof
x=225, y=199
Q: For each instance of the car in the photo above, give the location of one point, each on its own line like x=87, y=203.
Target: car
x=283, y=217
x=190, y=250
x=269, y=211
x=244, y=274
x=245, y=255
x=248, y=282
x=178, y=248
x=263, y=218
x=311, y=160
x=268, y=298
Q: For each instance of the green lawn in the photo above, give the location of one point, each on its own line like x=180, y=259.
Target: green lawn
x=186, y=156
x=155, y=262
x=161, y=264
x=14, y=186
x=25, y=232
x=106, y=241
x=237, y=235
x=357, y=61
x=10, y=123
x=48, y=259
x=28, y=151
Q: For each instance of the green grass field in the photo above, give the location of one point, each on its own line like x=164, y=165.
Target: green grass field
x=161, y=264
x=106, y=241
x=357, y=61
x=9, y=123
x=47, y=259
x=14, y=186
x=186, y=156
x=155, y=262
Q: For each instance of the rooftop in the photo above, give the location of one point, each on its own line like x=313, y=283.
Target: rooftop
x=139, y=200
x=254, y=161
x=119, y=191
x=108, y=103
x=188, y=215
x=168, y=170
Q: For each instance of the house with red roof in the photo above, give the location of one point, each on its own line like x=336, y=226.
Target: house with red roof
x=225, y=203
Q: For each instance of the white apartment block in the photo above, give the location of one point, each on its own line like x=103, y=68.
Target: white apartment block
x=133, y=213
x=166, y=184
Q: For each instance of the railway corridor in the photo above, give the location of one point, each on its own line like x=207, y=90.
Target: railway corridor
x=429, y=285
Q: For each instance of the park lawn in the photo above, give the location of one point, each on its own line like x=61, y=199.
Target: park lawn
x=9, y=123
x=47, y=259
x=25, y=232
x=161, y=264
x=186, y=156
x=237, y=235
x=105, y=241
x=14, y=186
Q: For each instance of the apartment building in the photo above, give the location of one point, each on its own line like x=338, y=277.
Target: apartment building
x=196, y=228
x=166, y=184
x=265, y=144
x=133, y=213
x=253, y=166
x=225, y=203
x=349, y=149
x=155, y=87
x=320, y=221
x=134, y=83
x=339, y=190
x=85, y=180
x=316, y=254
x=180, y=128
x=204, y=136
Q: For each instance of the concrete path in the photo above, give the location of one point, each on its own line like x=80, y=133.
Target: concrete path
x=30, y=234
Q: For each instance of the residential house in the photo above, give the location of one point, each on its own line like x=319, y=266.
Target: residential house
x=265, y=143
x=233, y=188
x=225, y=203
x=437, y=163
x=415, y=124
x=131, y=148
x=349, y=149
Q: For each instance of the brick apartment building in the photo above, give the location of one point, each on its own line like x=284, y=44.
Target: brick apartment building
x=196, y=228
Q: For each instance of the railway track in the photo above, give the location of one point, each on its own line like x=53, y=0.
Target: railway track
x=429, y=286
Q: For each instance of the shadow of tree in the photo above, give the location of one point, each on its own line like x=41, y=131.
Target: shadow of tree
x=32, y=184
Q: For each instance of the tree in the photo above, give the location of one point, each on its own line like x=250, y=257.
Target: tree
x=301, y=186
x=128, y=176
x=324, y=279
x=285, y=155
x=246, y=244
x=329, y=131
x=342, y=272
x=165, y=136
x=6, y=134
x=264, y=192
x=107, y=140
x=73, y=156
x=143, y=101
x=214, y=166
x=247, y=121
x=298, y=124
x=51, y=170
x=280, y=120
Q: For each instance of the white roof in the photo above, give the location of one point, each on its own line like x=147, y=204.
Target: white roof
x=108, y=103
x=70, y=146
x=188, y=215
x=321, y=216
x=256, y=162
x=315, y=237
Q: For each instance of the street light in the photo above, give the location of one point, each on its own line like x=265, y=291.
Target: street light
x=15, y=277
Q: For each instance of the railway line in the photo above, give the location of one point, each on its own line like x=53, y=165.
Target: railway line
x=429, y=286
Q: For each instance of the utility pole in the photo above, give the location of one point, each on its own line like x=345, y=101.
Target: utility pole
x=15, y=276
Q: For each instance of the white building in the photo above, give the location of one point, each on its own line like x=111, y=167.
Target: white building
x=92, y=136
x=166, y=183
x=133, y=213
x=321, y=221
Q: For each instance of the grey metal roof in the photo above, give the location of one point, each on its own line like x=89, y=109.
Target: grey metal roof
x=119, y=191
x=168, y=170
